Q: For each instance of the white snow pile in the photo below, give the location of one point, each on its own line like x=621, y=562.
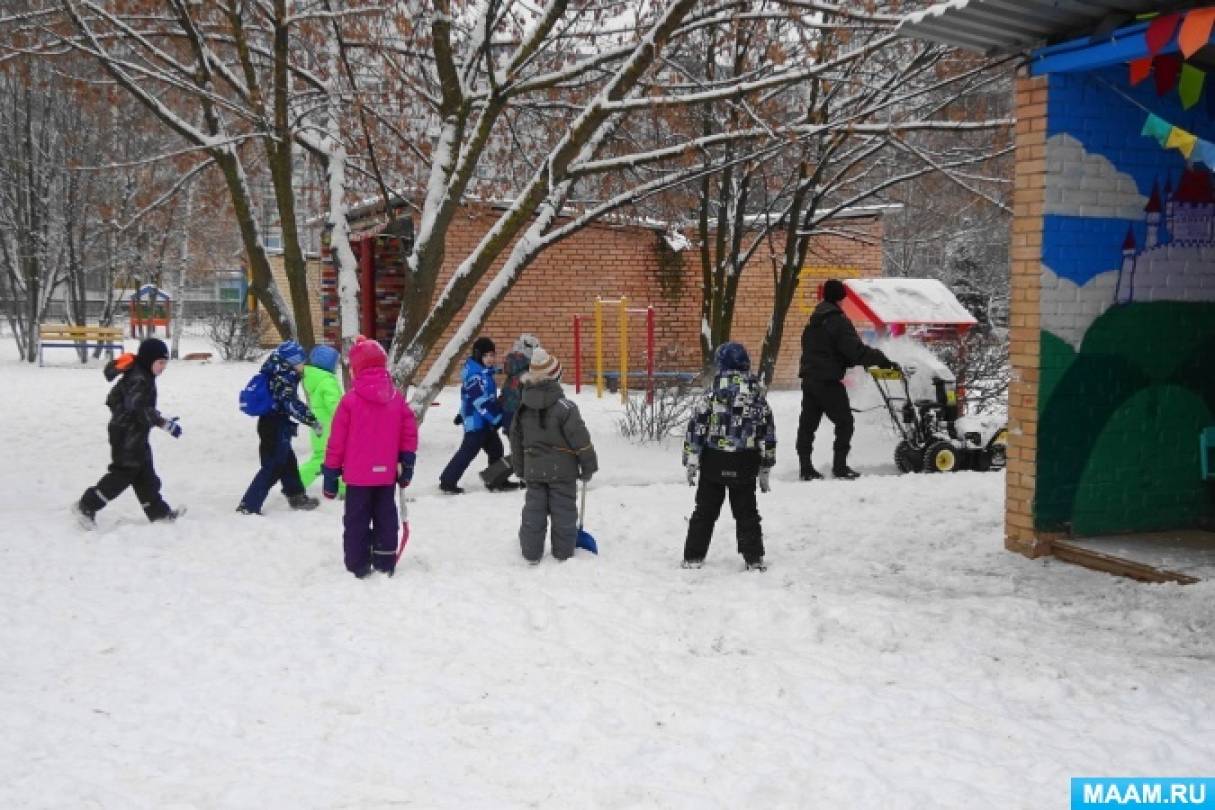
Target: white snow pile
x=893, y=655
x=676, y=242
x=910, y=300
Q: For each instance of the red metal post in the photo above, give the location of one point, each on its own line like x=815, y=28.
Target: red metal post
x=649, y=355
x=577, y=354
x=961, y=389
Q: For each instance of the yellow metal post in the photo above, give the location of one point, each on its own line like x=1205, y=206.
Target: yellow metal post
x=624, y=349
x=599, y=347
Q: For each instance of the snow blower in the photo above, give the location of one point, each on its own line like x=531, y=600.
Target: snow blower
x=933, y=437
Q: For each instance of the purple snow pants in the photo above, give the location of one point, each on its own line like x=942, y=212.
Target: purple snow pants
x=371, y=528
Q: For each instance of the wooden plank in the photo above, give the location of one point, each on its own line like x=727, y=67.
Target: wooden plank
x=104, y=330
x=1116, y=565
x=80, y=332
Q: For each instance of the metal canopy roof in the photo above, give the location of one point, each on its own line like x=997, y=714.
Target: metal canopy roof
x=1008, y=26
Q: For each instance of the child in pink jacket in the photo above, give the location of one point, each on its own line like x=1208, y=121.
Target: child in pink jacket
x=372, y=445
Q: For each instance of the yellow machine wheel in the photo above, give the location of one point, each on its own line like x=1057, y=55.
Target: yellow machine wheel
x=940, y=457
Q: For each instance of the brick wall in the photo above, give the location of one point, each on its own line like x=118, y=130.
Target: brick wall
x=1026, y=268
x=613, y=261
x=1113, y=312
x=270, y=336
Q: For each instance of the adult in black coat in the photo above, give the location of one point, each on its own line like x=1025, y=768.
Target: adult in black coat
x=133, y=414
x=830, y=346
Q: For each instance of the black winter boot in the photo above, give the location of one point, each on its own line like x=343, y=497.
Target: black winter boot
x=302, y=501
x=87, y=518
x=840, y=468
x=170, y=515
x=810, y=474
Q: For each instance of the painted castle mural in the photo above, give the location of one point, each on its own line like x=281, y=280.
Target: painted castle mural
x=1127, y=376
x=1179, y=247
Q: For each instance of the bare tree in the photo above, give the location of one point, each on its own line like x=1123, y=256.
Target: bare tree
x=200, y=69
x=582, y=110
x=33, y=173
x=870, y=125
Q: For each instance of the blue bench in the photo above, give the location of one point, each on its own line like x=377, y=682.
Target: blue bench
x=67, y=336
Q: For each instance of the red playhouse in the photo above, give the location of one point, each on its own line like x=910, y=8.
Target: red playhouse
x=149, y=307
x=382, y=252
x=917, y=307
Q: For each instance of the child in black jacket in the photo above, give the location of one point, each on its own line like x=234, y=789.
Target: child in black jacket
x=133, y=414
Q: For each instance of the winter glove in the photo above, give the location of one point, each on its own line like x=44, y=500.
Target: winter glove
x=764, y=486
x=493, y=411
x=172, y=427
x=693, y=467
x=459, y=420
x=406, y=460
x=586, y=477
x=330, y=487
x=318, y=429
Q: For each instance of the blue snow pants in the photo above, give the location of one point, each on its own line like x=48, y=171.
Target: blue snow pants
x=474, y=441
x=274, y=432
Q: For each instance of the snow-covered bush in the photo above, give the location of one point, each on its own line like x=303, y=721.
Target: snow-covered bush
x=236, y=334
x=666, y=416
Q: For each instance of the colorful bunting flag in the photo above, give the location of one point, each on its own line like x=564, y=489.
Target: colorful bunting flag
x=1140, y=70
x=1167, y=69
x=1190, y=85
x=1182, y=141
x=1195, y=31
x=1156, y=127
x=1160, y=32
x=1204, y=152
x=1171, y=137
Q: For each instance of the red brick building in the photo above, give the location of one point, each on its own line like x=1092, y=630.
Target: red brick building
x=611, y=261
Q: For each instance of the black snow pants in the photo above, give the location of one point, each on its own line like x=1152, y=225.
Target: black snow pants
x=723, y=474
x=128, y=470
x=824, y=398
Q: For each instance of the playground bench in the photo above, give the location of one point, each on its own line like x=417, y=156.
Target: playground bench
x=67, y=336
x=661, y=378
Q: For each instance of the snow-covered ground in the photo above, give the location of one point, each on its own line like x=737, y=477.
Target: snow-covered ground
x=893, y=655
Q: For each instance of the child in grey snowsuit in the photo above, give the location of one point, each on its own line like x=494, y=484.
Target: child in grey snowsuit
x=551, y=450
x=731, y=443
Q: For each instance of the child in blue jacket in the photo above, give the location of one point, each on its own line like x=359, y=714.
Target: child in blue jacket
x=275, y=431
x=481, y=415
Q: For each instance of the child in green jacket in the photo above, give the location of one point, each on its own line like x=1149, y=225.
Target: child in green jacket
x=324, y=392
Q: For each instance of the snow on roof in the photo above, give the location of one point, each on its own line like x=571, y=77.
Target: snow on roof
x=1008, y=26
x=909, y=300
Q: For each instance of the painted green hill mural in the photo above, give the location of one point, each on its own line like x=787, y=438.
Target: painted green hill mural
x=1119, y=421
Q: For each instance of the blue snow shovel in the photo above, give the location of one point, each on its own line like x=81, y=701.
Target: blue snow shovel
x=584, y=537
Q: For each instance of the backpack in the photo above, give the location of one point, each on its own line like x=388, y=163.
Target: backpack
x=255, y=397
x=119, y=365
